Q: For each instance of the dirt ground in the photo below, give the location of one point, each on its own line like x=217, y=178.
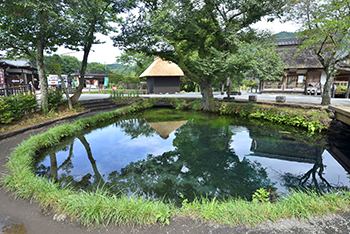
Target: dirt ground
x=26, y=216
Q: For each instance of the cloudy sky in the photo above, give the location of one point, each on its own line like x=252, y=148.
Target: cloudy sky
x=106, y=53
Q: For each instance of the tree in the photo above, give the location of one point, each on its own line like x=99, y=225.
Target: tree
x=199, y=36
x=91, y=17
x=134, y=63
x=30, y=27
x=325, y=31
x=56, y=66
x=97, y=68
x=262, y=62
x=70, y=64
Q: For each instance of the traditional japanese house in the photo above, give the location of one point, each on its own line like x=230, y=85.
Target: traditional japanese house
x=303, y=72
x=17, y=76
x=16, y=72
x=163, y=77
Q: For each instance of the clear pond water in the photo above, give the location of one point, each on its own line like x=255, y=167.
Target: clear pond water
x=165, y=153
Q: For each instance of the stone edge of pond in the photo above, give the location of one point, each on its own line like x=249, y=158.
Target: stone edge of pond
x=290, y=104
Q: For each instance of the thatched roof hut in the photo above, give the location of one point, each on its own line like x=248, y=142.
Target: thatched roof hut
x=163, y=77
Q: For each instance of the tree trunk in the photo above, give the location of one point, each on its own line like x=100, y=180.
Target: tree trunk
x=207, y=92
x=41, y=72
x=87, y=48
x=66, y=92
x=326, y=96
x=53, y=168
x=79, y=90
x=98, y=179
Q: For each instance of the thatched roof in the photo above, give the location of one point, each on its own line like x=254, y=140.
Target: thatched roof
x=288, y=47
x=162, y=68
x=165, y=128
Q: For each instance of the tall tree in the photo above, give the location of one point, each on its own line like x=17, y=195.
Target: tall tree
x=198, y=35
x=325, y=31
x=91, y=17
x=30, y=27
x=262, y=61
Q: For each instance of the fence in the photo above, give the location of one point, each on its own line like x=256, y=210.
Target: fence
x=15, y=90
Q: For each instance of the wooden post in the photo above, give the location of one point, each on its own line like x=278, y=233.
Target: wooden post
x=347, y=90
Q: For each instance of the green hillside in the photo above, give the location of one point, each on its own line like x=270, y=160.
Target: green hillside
x=284, y=34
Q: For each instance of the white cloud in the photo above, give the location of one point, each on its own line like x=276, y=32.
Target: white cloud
x=100, y=53
x=276, y=26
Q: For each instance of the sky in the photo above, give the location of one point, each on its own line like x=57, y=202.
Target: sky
x=106, y=53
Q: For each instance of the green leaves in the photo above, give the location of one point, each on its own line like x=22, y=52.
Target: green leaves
x=199, y=36
x=324, y=31
x=15, y=107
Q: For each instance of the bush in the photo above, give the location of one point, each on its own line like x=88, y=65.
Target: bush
x=15, y=107
x=55, y=97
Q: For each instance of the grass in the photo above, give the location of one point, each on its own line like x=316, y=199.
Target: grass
x=101, y=208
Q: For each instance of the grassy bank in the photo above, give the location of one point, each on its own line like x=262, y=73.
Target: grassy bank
x=313, y=120
x=100, y=207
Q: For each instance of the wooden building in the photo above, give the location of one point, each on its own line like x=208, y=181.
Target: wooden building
x=303, y=72
x=16, y=72
x=91, y=80
x=163, y=77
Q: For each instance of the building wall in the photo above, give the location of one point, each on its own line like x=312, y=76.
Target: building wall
x=163, y=84
x=150, y=83
x=166, y=84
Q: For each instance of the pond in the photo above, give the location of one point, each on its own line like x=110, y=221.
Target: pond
x=169, y=154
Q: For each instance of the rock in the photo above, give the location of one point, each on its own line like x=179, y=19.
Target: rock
x=59, y=217
x=253, y=98
x=280, y=98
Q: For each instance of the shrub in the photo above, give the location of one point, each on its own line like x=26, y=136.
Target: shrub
x=55, y=97
x=15, y=107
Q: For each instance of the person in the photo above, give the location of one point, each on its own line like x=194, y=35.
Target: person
x=100, y=85
x=32, y=89
x=70, y=91
x=333, y=90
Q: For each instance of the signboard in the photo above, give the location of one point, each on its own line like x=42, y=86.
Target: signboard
x=106, y=81
x=300, y=79
x=16, y=81
x=2, y=77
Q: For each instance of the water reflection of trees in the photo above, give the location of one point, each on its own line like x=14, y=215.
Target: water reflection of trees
x=282, y=145
x=202, y=164
x=313, y=179
x=136, y=127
